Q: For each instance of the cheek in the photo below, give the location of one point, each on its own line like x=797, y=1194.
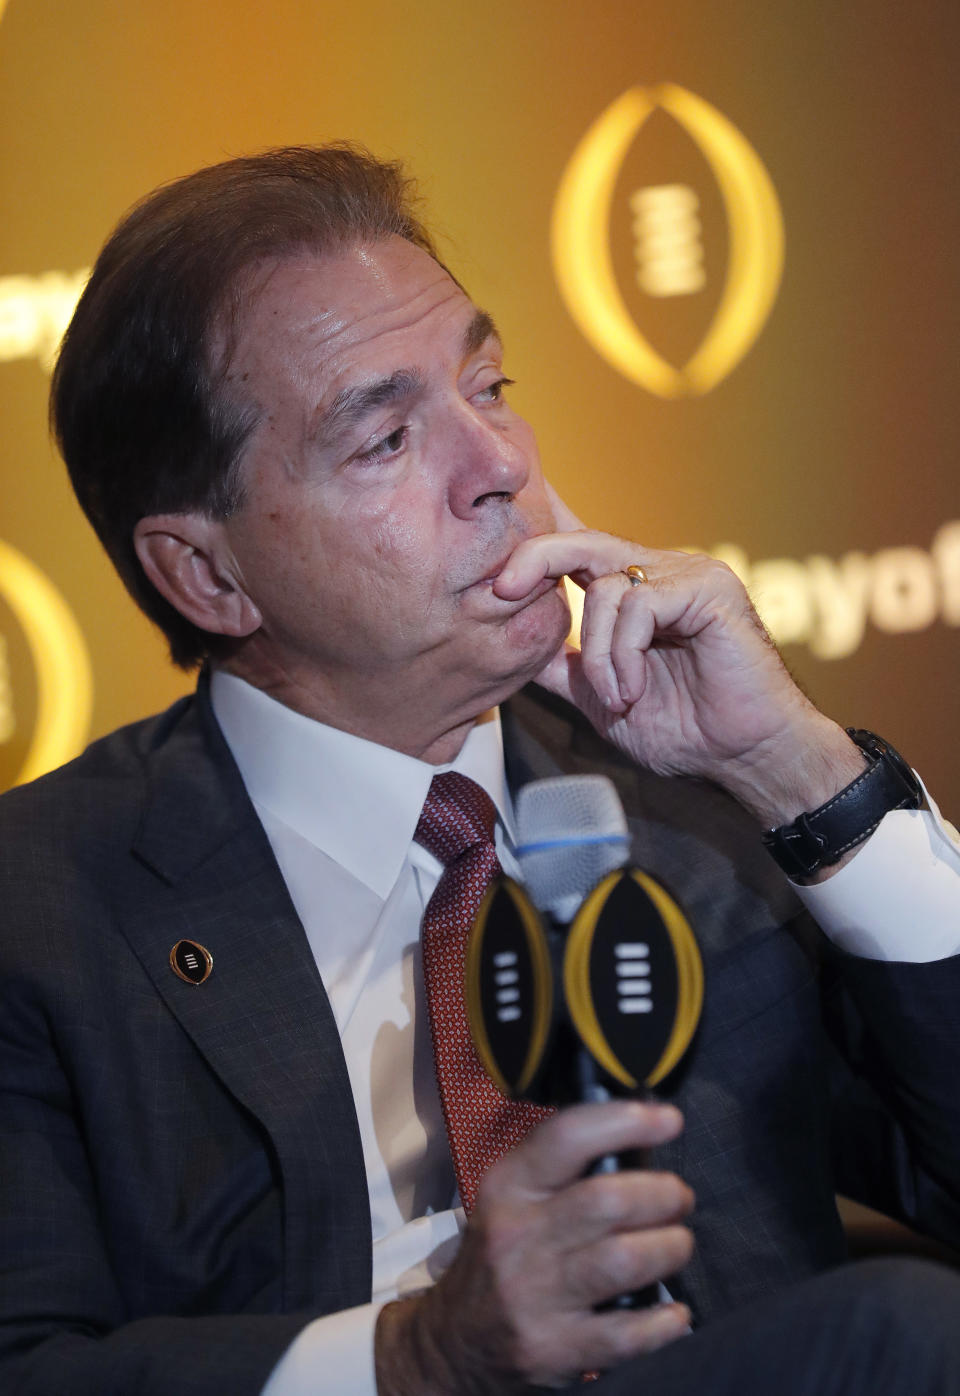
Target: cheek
x=403, y=545
x=397, y=541
x=391, y=584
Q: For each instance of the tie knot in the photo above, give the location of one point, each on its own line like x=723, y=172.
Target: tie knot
x=458, y=814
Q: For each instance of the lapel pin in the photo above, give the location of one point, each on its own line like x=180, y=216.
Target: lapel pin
x=191, y=961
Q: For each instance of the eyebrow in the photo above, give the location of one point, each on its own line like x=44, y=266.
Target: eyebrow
x=480, y=329
x=352, y=404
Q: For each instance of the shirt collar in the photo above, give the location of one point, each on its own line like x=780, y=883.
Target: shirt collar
x=355, y=800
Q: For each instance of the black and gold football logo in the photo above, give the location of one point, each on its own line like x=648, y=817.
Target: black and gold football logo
x=693, y=173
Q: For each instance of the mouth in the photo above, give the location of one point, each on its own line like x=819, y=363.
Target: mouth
x=493, y=572
x=485, y=584
x=541, y=589
x=491, y=576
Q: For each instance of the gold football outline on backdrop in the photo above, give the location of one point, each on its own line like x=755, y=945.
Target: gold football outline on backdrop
x=580, y=241
x=61, y=663
x=60, y=660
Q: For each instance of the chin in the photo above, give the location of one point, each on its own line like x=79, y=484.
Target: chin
x=534, y=635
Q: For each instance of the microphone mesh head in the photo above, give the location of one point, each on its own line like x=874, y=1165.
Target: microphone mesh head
x=571, y=832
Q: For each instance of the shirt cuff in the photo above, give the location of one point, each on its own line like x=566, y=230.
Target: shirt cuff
x=899, y=898
x=333, y=1353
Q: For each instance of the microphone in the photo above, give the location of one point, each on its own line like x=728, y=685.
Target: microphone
x=587, y=980
x=571, y=832
x=590, y=953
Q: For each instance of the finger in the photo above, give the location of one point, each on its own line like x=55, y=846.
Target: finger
x=564, y=676
x=625, y=1262
x=617, y=628
x=633, y=632
x=564, y=517
x=556, y=676
x=555, y=1354
x=583, y=555
x=673, y=607
x=558, y=1151
x=631, y=1200
x=617, y=1336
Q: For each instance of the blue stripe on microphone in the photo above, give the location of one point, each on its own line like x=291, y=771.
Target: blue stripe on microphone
x=623, y=839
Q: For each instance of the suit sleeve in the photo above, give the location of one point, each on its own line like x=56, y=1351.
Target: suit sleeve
x=896, y=1108
x=892, y=983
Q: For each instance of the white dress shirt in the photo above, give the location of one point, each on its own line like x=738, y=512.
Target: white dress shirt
x=360, y=885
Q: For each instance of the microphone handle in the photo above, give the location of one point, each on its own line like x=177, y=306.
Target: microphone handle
x=592, y=1090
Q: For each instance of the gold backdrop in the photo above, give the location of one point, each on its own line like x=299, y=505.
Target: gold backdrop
x=741, y=338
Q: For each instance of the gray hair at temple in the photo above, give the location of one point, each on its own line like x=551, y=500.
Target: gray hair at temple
x=139, y=403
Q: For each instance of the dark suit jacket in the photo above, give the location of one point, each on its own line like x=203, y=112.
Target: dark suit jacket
x=181, y=1179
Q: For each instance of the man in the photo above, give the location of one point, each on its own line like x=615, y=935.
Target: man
x=287, y=423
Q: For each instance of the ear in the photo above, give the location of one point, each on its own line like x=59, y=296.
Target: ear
x=188, y=560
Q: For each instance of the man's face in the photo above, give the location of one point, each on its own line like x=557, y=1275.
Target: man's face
x=386, y=485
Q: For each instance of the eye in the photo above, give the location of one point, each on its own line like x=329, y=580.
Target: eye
x=385, y=447
x=493, y=392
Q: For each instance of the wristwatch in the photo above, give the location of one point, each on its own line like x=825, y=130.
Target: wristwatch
x=822, y=836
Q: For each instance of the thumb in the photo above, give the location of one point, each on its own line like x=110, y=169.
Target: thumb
x=564, y=676
x=565, y=519
x=556, y=676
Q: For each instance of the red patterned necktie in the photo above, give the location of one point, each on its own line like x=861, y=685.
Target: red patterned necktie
x=456, y=826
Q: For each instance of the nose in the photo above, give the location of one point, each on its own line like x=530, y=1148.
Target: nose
x=491, y=459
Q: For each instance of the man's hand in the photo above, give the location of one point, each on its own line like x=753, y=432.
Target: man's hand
x=680, y=674
x=543, y=1247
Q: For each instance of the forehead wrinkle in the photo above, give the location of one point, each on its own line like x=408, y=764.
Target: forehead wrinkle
x=352, y=404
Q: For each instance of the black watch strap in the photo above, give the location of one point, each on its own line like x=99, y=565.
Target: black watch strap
x=823, y=836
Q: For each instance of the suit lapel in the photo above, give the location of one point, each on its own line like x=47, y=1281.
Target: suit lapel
x=262, y=1019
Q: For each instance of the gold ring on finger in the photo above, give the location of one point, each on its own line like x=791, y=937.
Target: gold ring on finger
x=636, y=574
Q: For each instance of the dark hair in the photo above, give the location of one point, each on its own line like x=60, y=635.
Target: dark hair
x=138, y=403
